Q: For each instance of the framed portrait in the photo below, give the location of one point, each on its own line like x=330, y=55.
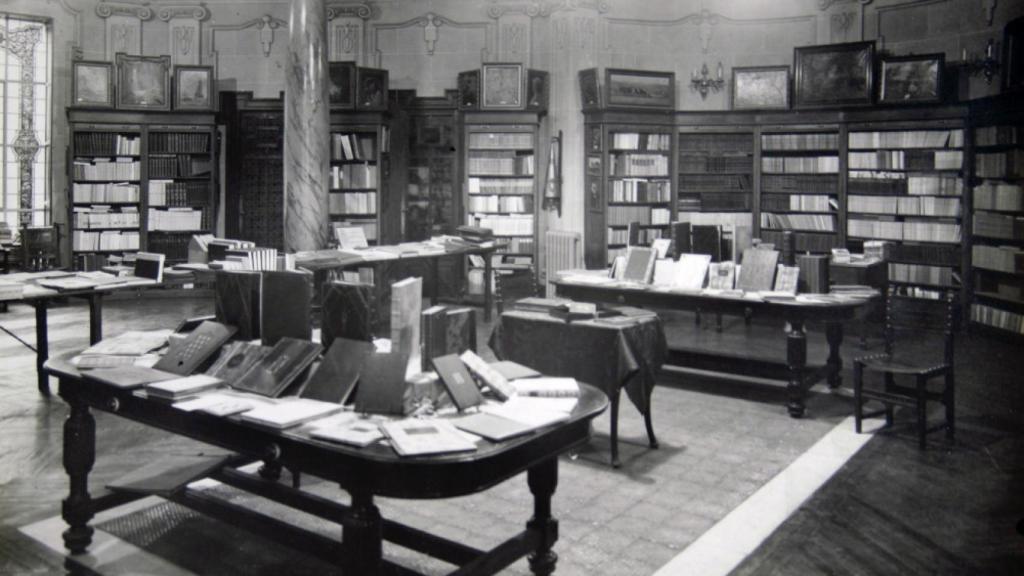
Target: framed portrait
x=143, y=82
x=193, y=87
x=590, y=91
x=502, y=86
x=341, y=85
x=371, y=89
x=92, y=84
x=536, y=90
x=1013, y=55
x=469, y=90
x=640, y=88
x=760, y=88
x=833, y=75
x=910, y=79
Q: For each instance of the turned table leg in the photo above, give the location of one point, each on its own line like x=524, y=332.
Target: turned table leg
x=79, y=456
x=796, y=361
x=834, y=336
x=42, y=346
x=543, y=479
x=362, y=535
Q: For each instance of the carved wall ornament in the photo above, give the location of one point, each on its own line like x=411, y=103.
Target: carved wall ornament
x=183, y=38
x=513, y=37
x=122, y=37
x=267, y=25
x=108, y=9
x=193, y=11
x=360, y=10
x=346, y=37
x=841, y=23
x=706, y=23
x=535, y=8
x=431, y=24
x=990, y=11
x=578, y=32
x=430, y=27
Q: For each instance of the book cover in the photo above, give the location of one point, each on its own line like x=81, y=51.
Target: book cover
x=514, y=370
x=149, y=265
x=186, y=355
x=420, y=437
x=721, y=275
x=289, y=412
x=336, y=376
x=128, y=376
x=461, y=330
x=348, y=428
x=237, y=301
x=272, y=375
x=236, y=358
x=707, y=239
x=287, y=302
x=180, y=387
x=382, y=385
x=680, y=232
x=488, y=375
x=664, y=272
x=547, y=387
x=349, y=311
x=691, y=270
x=457, y=381
x=758, y=267
x=639, y=264
x=786, y=279
x=435, y=334
x=491, y=426
x=406, y=306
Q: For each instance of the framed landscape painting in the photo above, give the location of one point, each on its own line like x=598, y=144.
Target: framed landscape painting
x=640, y=88
x=910, y=79
x=193, y=87
x=502, y=86
x=92, y=84
x=143, y=82
x=834, y=75
x=760, y=88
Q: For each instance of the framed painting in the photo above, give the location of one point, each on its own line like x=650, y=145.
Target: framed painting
x=502, y=86
x=193, y=87
x=833, y=75
x=92, y=84
x=341, y=87
x=760, y=88
x=536, y=90
x=1013, y=55
x=371, y=89
x=910, y=79
x=590, y=91
x=469, y=90
x=640, y=88
x=143, y=82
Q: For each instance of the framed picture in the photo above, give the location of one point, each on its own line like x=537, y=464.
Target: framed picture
x=341, y=87
x=143, y=82
x=590, y=91
x=760, y=88
x=502, y=86
x=833, y=75
x=193, y=87
x=640, y=88
x=593, y=142
x=469, y=90
x=372, y=89
x=910, y=79
x=536, y=90
x=1013, y=55
x=92, y=84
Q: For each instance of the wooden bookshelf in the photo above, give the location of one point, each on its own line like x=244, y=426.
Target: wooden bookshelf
x=715, y=169
x=359, y=171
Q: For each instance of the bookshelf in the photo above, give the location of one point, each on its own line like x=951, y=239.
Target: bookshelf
x=139, y=181
x=715, y=170
x=357, y=180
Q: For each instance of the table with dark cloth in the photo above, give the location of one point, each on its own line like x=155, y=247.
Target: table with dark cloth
x=610, y=353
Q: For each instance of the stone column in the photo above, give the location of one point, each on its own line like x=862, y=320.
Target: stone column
x=307, y=130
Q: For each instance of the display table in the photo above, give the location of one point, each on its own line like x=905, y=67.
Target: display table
x=614, y=354
x=794, y=315
x=362, y=472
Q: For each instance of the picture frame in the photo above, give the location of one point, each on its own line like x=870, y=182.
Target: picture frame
x=590, y=90
x=193, y=87
x=760, y=88
x=469, y=90
x=1013, y=55
x=341, y=87
x=371, y=89
x=502, y=86
x=640, y=88
x=911, y=79
x=537, y=89
x=833, y=75
x=92, y=84
x=143, y=82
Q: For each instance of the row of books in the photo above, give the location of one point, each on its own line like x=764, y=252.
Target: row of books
x=798, y=202
x=997, y=318
x=995, y=225
x=802, y=241
x=800, y=164
x=178, y=166
x=479, y=203
x=85, y=241
x=815, y=222
x=802, y=184
x=121, y=168
x=638, y=165
x=518, y=245
x=923, y=274
x=641, y=191
x=353, y=146
x=907, y=160
x=104, y=192
x=730, y=143
x=996, y=135
x=999, y=258
x=906, y=231
x=1003, y=287
x=98, y=216
x=623, y=215
x=644, y=235
x=179, y=142
x=179, y=194
x=638, y=141
x=904, y=205
x=899, y=183
x=502, y=163
x=501, y=140
x=503, y=225
x=369, y=227
x=107, y=144
x=933, y=254
x=715, y=182
x=352, y=203
x=499, y=186
x=353, y=176
x=1006, y=164
x=175, y=219
x=908, y=139
x=811, y=141
x=729, y=162
x=712, y=201
x=999, y=196
x=253, y=257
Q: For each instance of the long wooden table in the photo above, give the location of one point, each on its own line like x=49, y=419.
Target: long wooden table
x=795, y=371
x=362, y=472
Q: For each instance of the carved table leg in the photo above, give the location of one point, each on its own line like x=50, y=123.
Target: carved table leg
x=95, y=317
x=79, y=456
x=42, y=346
x=543, y=479
x=796, y=361
x=615, y=430
x=362, y=536
x=834, y=335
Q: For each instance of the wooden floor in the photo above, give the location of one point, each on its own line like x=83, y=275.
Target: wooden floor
x=891, y=510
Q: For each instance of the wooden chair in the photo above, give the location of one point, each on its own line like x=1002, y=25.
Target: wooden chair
x=924, y=322
x=512, y=282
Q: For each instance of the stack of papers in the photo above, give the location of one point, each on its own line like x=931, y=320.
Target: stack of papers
x=533, y=411
x=127, y=348
x=289, y=412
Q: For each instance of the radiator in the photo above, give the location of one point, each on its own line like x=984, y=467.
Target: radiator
x=561, y=252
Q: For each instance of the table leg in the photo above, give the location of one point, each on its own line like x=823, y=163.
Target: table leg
x=796, y=361
x=543, y=479
x=488, y=271
x=42, y=346
x=436, y=292
x=834, y=335
x=362, y=536
x=615, y=430
x=79, y=456
x=652, y=441
x=95, y=317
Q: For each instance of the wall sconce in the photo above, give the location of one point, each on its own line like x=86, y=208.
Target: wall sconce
x=553, y=187
x=703, y=82
x=988, y=66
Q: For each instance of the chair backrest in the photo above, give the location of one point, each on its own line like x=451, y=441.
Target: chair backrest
x=511, y=284
x=919, y=319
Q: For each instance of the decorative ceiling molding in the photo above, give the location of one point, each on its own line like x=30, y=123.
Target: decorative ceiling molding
x=171, y=11
x=826, y=4
x=431, y=24
x=362, y=10
x=108, y=9
x=706, y=21
x=543, y=8
x=266, y=25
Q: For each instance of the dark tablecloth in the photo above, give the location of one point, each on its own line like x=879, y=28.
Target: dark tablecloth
x=611, y=353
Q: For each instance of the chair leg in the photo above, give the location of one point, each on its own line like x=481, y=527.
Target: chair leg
x=889, y=381
x=950, y=407
x=858, y=401
x=922, y=411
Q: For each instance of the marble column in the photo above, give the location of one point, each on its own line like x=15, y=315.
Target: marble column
x=307, y=130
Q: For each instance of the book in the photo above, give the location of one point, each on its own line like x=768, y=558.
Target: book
x=435, y=334
x=149, y=265
x=661, y=246
x=272, y=374
x=180, y=387
x=664, y=272
x=707, y=239
x=347, y=428
x=787, y=279
x=128, y=376
x=758, y=271
x=338, y=372
x=186, y=355
x=461, y=330
x=814, y=273
x=680, y=233
x=237, y=301
x=457, y=381
x=289, y=412
x=487, y=375
x=236, y=358
x=721, y=275
x=130, y=343
x=350, y=237
x=286, y=305
x=691, y=270
x=514, y=370
x=406, y=306
x=639, y=264
x=382, y=384
x=547, y=387
x=533, y=411
x=220, y=404
x=349, y=310
x=491, y=426
x=420, y=437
